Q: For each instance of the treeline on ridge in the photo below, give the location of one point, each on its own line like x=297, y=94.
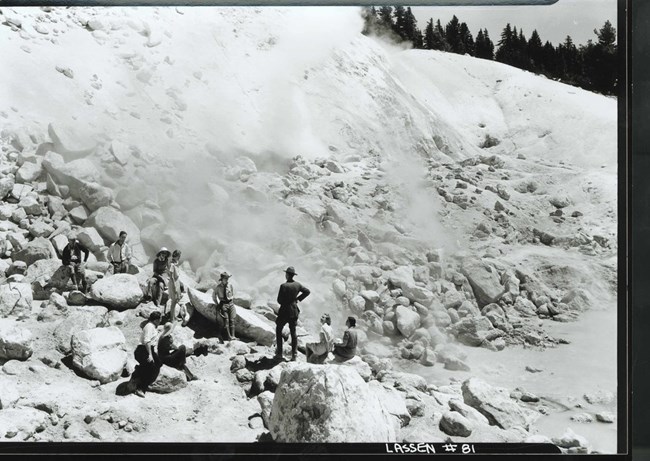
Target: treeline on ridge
x=592, y=66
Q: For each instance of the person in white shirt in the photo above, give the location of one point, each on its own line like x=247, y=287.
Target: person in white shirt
x=119, y=254
x=149, y=363
x=317, y=352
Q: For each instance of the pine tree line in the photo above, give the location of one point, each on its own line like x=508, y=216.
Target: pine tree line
x=592, y=66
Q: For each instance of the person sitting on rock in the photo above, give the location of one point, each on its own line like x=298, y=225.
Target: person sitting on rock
x=170, y=354
x=289, y=295
x=223, y=298
x=158, y=282
x=71, y=258
x=347, y=348
x=145, y=354
x=119, y=254
x=317, y=352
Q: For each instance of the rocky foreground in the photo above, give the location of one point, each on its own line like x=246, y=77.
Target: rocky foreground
x=64, y=352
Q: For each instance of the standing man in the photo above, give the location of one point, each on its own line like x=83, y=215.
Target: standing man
x=71, y=258
x=223, y=298
x=290, y=294
x=119, y=254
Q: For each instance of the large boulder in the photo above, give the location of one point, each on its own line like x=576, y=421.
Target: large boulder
x=496, y=405
x=484, y=280
x=90, y=238
x=78, y=319
x=417, y=293
x=109, y=222
x=168, y=380
x=39, y=248
x=15, y=299
x=472, y=331
x=119, y=291
x=72, y=174
x=15, y=342
x=407, y=320
x=49, y=272
x=455, y=424
x=95, y=196
x=29, y=172
x=403, y=381
x=99, y=353
x=329, y=404
x=392, y=400
x=202, y=303
x=6, y=186
x=251, y=325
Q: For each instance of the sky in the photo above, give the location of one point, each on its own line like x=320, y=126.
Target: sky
x=577, y=18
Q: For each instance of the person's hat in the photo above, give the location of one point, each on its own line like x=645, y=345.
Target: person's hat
x=225, y=274
x=72, y=235
x=168, y=327
x=163, y=250
x=291, y=270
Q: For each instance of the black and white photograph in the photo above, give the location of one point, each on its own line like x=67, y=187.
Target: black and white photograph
x=395, y=225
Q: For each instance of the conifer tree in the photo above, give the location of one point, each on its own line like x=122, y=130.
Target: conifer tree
x=452, y=35
x=535, y=51
x=428, y=36
x=467, y=40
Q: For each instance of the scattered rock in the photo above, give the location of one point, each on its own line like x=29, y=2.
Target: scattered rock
x=99, y=353
x=455, y=424
x=119, y=291
x=15, y=342
x=169, y=380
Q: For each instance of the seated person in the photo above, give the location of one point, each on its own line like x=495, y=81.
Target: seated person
x=347, y=348
x=172, y=355
x=158, y=283
x=317, y=352
x=71, y=259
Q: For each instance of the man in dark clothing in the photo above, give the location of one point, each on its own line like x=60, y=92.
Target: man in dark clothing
x=71, y=258
x=290, y=294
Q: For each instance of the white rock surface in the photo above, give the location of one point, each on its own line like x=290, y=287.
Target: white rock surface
x=99, y=353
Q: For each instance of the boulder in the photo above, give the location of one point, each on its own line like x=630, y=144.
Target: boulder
x=570, y=440
x=251, y=325
x=79, y=214
x=95, y=196
x=40, y=229
x=202, y=303
x=403, y=381
x=109, y=222
x=468, y=412
x=453, y=299
x=525, y=307
x=484, y=280
x=118, y=291
x=72, y=174
x=90, y=238
x=417, y=293
x=15, y=299
x=99, y=353
x=48, y=271
x=6, y=186
x=471, y=330
x=15, y=342
x=25, y=421
x=455, y=424
x=30, y=205
x=169, y=380
x=29, y=172
x=39, y=248
x=407, y=320
x=78, y=319
x=329, y=404
x=401, y=276
x=496, y=405
x=359, y=365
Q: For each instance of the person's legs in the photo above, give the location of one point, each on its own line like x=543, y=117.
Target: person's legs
x=72, y=272
x=81, y=277
x=172, y=308
x=232, y=314
x=280, y=322
x=294, y=338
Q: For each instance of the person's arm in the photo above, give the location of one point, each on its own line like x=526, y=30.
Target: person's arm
x=304, y=292
x=127, y=253
x=280, y=295
x=346, y=339
x=65, y=255
x=215, y=297
x=230, y=294
x=85, y=251
x=109, y=253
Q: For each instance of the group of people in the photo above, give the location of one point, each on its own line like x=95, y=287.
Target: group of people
x=157, y=349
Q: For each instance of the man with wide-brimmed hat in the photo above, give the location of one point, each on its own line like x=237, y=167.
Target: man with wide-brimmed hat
x=290, y=294
x=223, y=298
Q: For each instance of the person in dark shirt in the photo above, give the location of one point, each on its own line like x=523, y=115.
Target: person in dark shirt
x=347, y=348
x=71, y=259
x=170, y=354
x=158, y=282
x=289, y=295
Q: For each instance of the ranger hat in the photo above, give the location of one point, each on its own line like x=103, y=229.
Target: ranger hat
x=291, y=270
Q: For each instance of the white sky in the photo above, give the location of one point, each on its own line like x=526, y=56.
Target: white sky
x=577, y=18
